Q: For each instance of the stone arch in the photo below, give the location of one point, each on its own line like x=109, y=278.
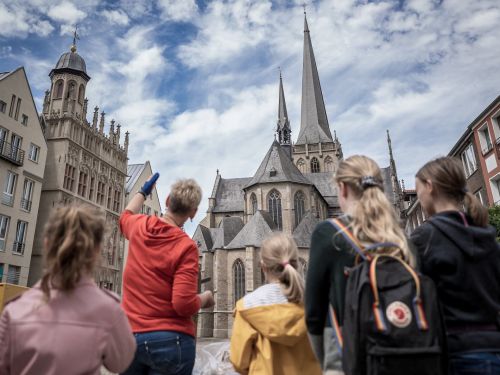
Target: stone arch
x=71, y=90
x=301, y=165
x=315, y=165
x=81, y=94
x=274, y=207
x=253, y=203
x=329, y=166
x=58, y=89
x=238, y=280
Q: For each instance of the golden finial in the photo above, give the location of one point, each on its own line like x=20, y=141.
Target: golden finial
x=75, y=38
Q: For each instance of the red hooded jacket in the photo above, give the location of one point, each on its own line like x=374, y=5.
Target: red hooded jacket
x=160, y=281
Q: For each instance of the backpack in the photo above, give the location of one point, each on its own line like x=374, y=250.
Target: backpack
x=392, y=320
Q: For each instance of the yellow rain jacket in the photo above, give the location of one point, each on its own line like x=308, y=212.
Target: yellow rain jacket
x=272, y=340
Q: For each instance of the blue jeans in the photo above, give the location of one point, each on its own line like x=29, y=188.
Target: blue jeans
x=163, y=353
x=483, y=363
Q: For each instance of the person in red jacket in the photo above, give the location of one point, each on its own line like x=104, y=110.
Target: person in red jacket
x=160, y=281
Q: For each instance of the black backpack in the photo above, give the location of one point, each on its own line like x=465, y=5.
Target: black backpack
x=392, y=320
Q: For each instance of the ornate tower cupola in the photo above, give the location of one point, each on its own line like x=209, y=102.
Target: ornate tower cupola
x=69, y=81
x=283, y=129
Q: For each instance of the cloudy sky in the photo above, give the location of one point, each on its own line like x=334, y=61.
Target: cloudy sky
x=196, y=82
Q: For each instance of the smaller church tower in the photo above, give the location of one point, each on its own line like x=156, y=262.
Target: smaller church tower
x=283, y=129
x=69, y=82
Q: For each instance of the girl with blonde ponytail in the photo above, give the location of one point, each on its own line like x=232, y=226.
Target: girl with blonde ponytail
x=458, y=250
x=65, y=324
x=269, y=332
x=371, y=218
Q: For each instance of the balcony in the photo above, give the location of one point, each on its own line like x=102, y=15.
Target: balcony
x=11, y=153
x=7, y=199
x=26, y=205
x=18, y=248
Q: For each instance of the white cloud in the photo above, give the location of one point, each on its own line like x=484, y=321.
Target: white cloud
x=178, y=10
x=117, y=17
x=66, y=12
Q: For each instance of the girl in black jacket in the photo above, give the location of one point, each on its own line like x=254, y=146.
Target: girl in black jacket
x=459, y=252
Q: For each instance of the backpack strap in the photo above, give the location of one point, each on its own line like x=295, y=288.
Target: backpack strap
x=349, y=237
x=417, y=301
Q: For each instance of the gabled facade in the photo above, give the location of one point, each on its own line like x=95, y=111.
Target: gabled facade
x=23, y=152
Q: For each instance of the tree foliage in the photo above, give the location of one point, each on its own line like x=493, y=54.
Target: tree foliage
x=494, y=213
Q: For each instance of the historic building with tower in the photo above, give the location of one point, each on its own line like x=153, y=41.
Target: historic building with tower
x=85, y=164
x=291, y=191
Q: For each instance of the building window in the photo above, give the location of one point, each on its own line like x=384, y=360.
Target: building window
x=253, y=203
x=100, y=193
x=301, y=165
x=329, y=164
x=82, y=184
x=303, y=266
x=110, y=191
x=18, y=107
x=3, y=137
x=26, y=199
x=12, y=105
x=238, y=280
x=91, y=188
x=69, y=177
x=495, y=189
x=479, y=196
x=20, y=240
x=15, y=151
x=484, y=139
x=34, y=152
x=4, y=228
x=71, y=90
x=13, y=274
x=116, y=201
x=469, y=160
x=314, y=165
x=59, y=89
x=81, y=93
x=24, y=120
x=299, y=206
x=2, y=265
x=9, y=189
x=3, y=106
x=274, y=203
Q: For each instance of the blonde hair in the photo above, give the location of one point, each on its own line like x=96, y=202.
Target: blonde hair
x=374, y=219
x=448, y=180
x=280, y=257
x=185, y=195
x=73, y=236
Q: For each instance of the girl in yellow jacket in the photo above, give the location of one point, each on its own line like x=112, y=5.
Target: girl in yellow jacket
x=269, y=332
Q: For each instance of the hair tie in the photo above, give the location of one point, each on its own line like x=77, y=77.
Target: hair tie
x=285, y=263
x=465, y=190
x=368, y=182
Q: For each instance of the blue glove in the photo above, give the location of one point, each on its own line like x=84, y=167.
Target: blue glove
x=148, y=185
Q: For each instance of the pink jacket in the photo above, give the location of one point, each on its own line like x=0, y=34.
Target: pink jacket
x=74, y=333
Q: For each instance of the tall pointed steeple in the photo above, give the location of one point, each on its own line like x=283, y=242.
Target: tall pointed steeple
x=283, y=129
x=314, y=127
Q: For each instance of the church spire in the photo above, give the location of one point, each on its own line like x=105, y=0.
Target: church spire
x=283, y=129
x=314, y=122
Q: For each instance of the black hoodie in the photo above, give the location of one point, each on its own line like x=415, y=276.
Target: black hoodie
x=464, y=262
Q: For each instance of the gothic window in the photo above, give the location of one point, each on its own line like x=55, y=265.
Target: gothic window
x=301, y=165
x=59, y=89
x=314, y=165
x=81, y=94
x=82, y=184
x=329, y=164
x=274, y=208
x=238, y=280
x=253, y=203
x=299, y=206
x=69, y=177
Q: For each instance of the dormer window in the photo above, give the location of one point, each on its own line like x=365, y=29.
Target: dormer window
x=272, y=172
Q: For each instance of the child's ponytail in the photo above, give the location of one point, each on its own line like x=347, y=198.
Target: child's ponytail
x=279, y=255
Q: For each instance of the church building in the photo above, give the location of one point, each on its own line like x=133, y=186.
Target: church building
x=291, y=191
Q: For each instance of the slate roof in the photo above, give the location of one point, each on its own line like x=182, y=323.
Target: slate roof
x=314, y=125
x=72, y=61
x=228, y=229
x=229, y=194
x=254, y=232
x=324, y=183
x=133, y=173
x=277, y=160
x=302, y=234
x=203, y=238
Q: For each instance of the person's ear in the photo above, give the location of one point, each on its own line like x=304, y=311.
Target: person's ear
x=343, y=190
x=193, y=213
x=167, y=202
x=429, y=186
